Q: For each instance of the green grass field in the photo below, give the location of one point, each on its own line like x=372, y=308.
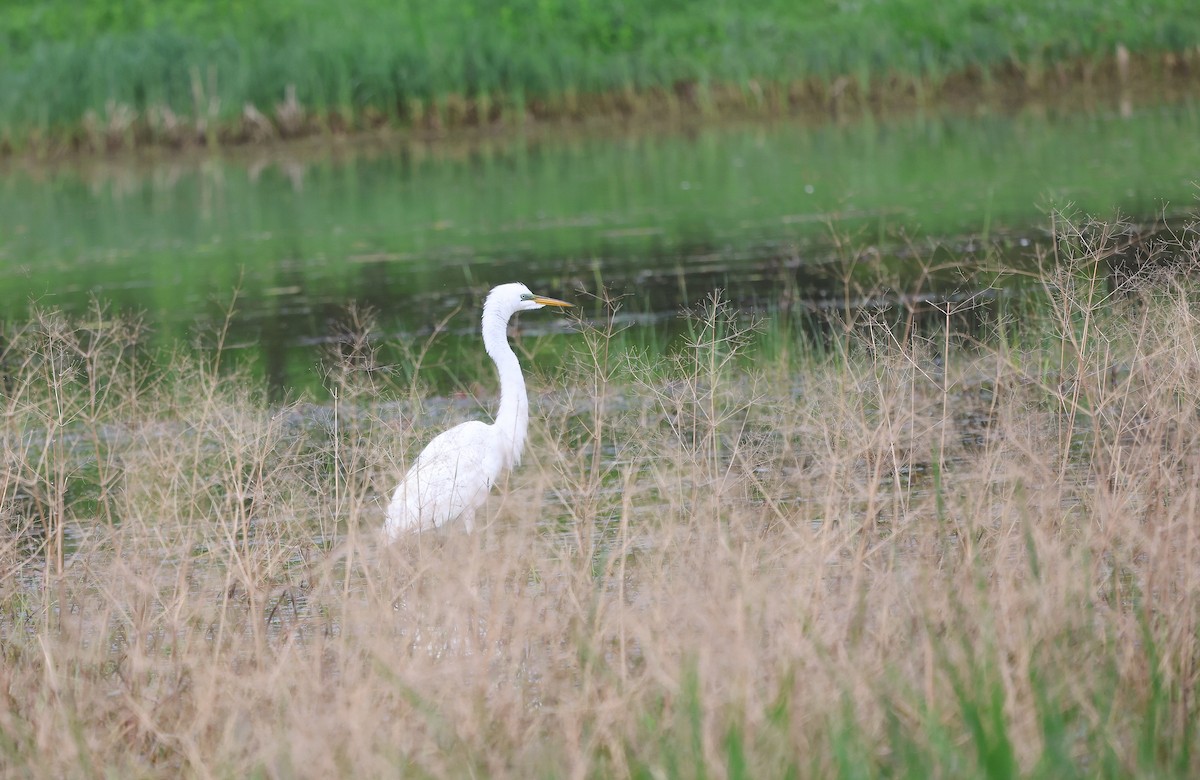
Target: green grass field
x=115, y=73
x=915, y=550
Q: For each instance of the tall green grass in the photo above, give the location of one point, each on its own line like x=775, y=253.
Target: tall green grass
x=363, y=62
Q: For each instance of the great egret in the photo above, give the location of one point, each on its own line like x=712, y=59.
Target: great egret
x=455, y=471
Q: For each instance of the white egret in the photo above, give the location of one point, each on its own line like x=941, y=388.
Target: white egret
x=452, y=476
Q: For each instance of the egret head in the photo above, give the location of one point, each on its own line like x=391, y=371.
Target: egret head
x=508, y=298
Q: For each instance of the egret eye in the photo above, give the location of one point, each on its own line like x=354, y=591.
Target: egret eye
x=527, y=296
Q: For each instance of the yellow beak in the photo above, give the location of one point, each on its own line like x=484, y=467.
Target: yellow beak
x=550, y=301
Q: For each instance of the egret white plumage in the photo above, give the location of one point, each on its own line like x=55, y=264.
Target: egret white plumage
x=452, y=476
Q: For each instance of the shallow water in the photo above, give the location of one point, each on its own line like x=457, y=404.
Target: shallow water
x=769, y=213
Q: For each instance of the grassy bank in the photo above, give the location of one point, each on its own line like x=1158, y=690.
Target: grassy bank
x=907, y=552
x=99, y=74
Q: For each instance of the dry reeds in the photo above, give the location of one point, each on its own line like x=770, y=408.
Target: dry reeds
x=915, y=555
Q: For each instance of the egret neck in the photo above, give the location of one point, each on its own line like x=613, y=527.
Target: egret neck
x=512, y=419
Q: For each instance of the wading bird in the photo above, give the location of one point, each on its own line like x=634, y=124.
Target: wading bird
x=452, y=476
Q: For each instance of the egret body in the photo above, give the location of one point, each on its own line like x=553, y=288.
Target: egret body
x=452, y=476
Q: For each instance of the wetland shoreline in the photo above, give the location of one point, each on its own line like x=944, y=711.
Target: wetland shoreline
x=122, y=131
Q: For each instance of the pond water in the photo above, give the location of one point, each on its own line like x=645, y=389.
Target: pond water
x=419, y=232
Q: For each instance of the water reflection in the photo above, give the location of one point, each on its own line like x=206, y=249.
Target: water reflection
x=779, y=216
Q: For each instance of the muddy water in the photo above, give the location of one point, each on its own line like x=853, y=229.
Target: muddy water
x=773, y=214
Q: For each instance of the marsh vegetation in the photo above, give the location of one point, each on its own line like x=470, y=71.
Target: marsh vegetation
x=956, y=538
x=95, y=76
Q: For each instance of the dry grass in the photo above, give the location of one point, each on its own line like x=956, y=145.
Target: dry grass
x=865, y=561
